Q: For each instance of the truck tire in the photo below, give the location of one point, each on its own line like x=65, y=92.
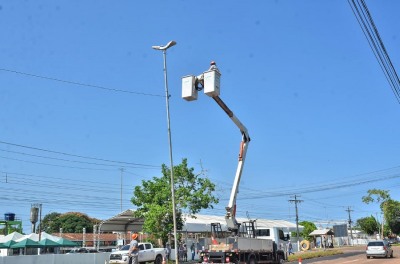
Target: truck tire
x=252, y=260
x=158, y=259
x=280, y=259
x=305, y=245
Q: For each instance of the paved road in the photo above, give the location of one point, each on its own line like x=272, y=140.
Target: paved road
x=355, y=256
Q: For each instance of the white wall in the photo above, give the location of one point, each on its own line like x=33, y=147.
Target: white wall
x=85, y=258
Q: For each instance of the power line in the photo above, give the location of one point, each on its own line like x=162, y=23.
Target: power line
x=364, y=18
x=319, y=188
x=73, y=161
x=79, y=83
x=54, y=165
x=78, y=156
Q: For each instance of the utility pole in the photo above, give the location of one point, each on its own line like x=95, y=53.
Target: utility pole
x=382, y=229
x=376, y=219
x=122, y=173
x=351, y=231
x=296, y=201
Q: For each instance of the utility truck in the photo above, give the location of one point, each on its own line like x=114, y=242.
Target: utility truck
x=244, y=244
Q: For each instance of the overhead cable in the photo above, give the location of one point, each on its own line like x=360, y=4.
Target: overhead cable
x=78, y=156
x=79, y=83
x=364, y=18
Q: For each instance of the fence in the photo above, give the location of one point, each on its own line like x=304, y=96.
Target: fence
x=85, y=258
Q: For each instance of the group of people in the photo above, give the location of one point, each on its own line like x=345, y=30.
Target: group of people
x=182, y=251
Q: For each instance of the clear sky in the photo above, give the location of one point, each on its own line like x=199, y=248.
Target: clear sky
x=300, y=75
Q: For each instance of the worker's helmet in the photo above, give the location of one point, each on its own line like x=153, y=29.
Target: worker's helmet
x=134, y=236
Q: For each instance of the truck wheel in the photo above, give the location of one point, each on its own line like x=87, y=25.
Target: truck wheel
x=158, y=259
x=252, y=261
x=280, y=259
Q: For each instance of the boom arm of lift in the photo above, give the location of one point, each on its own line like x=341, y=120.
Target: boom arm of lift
x=230, y=216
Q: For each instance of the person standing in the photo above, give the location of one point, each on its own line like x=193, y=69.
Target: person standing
x=192, y=250
x=185, y=252
x=133, y=252
x=168, y=250
x=290, y=248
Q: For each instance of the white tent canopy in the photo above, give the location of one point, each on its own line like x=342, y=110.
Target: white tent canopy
x=32, y=236
x=45, y=235
x=17, y=237
x=13, y=236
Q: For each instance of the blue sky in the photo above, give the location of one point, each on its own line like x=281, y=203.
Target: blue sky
x=300, y=75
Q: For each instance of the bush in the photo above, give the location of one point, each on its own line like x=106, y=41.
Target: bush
x=314, y=254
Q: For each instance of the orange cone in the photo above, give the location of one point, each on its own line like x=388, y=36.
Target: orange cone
x=163, y=260
x=300, y=260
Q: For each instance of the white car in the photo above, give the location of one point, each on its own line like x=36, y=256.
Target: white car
x=146, y=254
x=379, y=248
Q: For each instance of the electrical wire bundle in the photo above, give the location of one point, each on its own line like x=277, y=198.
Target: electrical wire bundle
x=367, y=25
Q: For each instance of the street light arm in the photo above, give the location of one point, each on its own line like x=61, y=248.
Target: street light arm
x=169, y=44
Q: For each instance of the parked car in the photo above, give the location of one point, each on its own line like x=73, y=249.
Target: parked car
x=379, y=248
x=147, y=253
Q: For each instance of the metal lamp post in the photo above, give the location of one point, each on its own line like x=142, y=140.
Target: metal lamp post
x=164, y=50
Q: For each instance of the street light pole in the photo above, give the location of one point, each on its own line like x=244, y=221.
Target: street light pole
x=164, y=50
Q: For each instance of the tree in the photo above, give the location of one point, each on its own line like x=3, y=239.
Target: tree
x=368, y=224
x=49, y=223
x=389, y=207
x=72, y=222
x=308, y=228
x=154, y=204
x=381, y=196
x=392, y=213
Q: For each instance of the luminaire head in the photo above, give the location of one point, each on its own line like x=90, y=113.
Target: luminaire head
x=169, y=44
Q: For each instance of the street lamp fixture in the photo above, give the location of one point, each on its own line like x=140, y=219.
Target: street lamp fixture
x=169, y=45
x=164, y=50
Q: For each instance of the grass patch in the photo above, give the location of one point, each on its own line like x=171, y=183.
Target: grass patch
x=314, y=254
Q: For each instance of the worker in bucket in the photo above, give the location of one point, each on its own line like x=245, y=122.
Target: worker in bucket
x=134, y=250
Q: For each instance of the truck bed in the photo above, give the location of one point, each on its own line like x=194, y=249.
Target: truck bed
x=242, y=244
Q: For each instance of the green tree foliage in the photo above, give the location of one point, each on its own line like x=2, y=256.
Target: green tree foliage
x=392, y=215
x=389, y=207
x=308, y=228
x=381, y=196
x=368, y=224
x=154, y=204
x=72, y=222
x=49, y=223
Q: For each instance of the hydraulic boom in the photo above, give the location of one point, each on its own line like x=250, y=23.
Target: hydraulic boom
x=209, y=81
x=230, y=216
